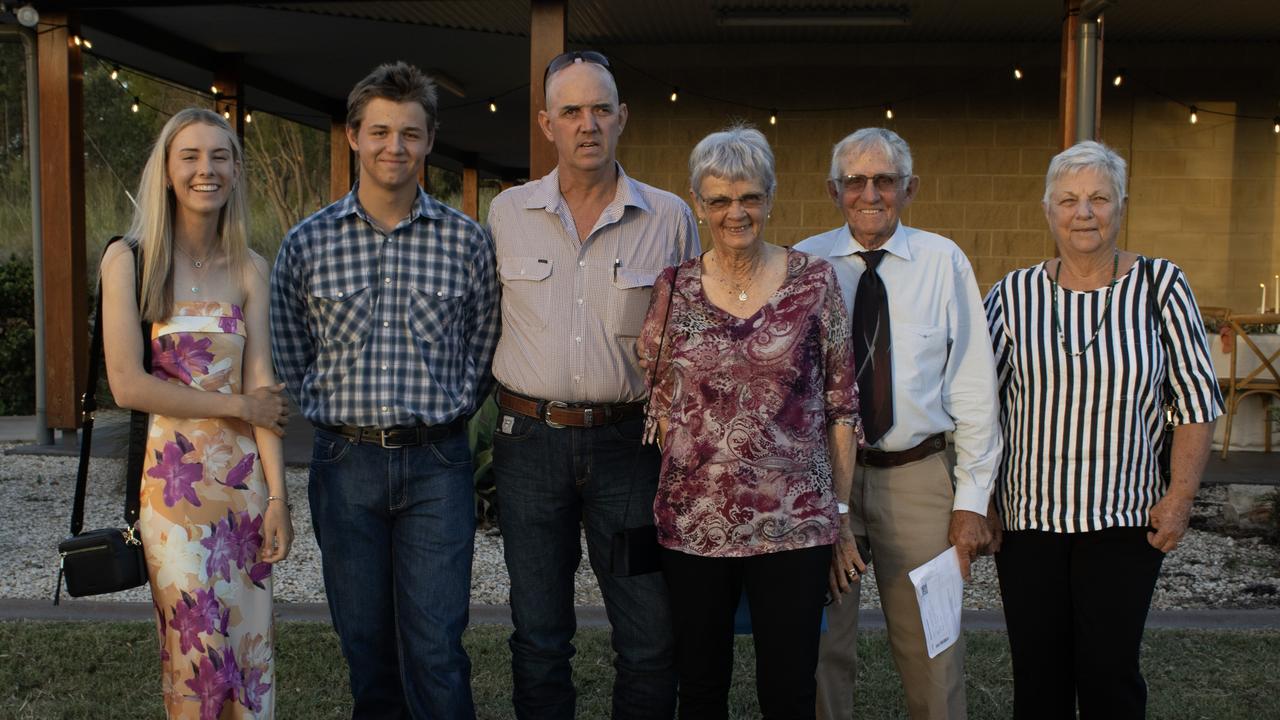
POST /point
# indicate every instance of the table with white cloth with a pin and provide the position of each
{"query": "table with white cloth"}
(1247, 428)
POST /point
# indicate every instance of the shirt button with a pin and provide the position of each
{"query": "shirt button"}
(386, 324)
(384, 408)
(577, 378)
(384, 366)
(339, 294)
(386, 280)
(582, 263)
(578, 339)
(579, 301)
(439, 293)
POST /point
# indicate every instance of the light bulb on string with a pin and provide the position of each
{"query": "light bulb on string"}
(773, 117)
(136, 103)
(1017, 72)
(1119, 79)
(248, 116)
(1275, 124)
(675, 94)
(115, 73)
(214, 89)
(226, 114)
(88, 44)
(1195, 118)
(888, 112)
(76, 39)
(493, 106)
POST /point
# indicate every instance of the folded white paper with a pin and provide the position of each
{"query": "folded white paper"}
(939, 591)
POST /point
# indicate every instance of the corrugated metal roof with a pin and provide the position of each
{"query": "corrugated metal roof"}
(505, 17)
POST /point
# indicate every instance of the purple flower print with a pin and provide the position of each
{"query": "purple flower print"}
(253, 689)
(180, 359)
(237, 474)
(236, 538)
(228, 324)
(196, 614)
(259, 572)
(179, 477)
(225, 662)
(210, 687)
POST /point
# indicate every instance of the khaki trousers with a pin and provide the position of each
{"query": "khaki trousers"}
(900, 517)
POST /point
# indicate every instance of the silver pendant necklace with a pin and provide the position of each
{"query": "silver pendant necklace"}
(197, 265)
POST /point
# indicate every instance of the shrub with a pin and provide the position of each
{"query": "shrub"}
(17, 337)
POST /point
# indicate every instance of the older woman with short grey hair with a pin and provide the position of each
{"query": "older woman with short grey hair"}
(1090, 347)
(754, 404)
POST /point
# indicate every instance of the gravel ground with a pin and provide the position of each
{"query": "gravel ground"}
(1209, 570)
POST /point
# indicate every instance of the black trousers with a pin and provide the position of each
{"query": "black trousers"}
(786, 591)
(1076, 605)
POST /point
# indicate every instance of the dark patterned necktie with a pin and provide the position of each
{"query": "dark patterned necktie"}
(871, 349)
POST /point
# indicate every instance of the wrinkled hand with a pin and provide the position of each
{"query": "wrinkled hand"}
(844, 556)
(970, 534)
(640, 358)
(277, 532)
(996, 527)
(266, 407)
(1169, 519)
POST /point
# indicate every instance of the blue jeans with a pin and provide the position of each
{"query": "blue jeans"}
(396, 529)
(552, 482)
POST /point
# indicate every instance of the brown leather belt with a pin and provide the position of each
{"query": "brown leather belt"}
(398, 437)
(558, 414)
(883, 459)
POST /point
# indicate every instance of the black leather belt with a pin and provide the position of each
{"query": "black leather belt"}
(558, 414)
(883, 459)
(398, 437)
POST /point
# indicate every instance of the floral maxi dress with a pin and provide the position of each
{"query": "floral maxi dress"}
(203, 498)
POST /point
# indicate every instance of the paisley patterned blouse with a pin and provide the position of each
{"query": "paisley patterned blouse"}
(745, 467)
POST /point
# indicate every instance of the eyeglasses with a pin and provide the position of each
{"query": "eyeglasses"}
(720, 203)
(565, 59)
(883, 182)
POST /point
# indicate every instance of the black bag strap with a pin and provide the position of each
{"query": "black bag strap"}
(1153, 307)
(138, 420)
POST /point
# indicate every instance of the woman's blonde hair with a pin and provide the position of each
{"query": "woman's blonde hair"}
(152, 226)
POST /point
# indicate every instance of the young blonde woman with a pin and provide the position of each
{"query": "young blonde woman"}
(215, 513)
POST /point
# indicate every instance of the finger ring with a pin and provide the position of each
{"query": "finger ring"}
(852, 573)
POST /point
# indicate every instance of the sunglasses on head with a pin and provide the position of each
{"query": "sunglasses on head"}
(564, 59)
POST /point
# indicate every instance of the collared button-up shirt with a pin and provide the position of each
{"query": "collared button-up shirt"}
(385, 329)
(571, 311)
(943, 368)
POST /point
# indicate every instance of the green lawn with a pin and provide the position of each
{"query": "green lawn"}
(109, 670)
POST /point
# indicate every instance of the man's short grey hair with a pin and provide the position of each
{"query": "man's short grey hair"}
(866, 140)
(1086, 155)
(737, 153)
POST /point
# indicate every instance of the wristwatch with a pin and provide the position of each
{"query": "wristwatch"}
(842, 508)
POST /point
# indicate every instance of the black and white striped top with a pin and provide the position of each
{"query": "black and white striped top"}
(1082, 434)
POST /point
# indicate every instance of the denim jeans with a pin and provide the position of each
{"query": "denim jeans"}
(396, 529)
(551, 483)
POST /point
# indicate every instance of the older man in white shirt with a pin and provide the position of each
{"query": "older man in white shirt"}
(924, 369)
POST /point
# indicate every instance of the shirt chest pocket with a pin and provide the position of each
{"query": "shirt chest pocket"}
(920, 355)
(341, 310)
(526, 290)
(435, 311)
(629, 301)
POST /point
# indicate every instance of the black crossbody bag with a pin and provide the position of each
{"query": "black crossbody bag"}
(1165, 458)
(106, 560)
(635, 550)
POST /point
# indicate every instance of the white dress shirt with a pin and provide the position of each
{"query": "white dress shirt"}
(943, 369)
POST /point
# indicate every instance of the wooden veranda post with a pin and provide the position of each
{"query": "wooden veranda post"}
(230, 98)
(340, 176)
(548, 26)
(1067, 85)
(61, 85)
(471, 192)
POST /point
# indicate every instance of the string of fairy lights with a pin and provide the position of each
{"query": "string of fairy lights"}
(226, 103)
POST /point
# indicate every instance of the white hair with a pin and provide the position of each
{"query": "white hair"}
(1087, 155)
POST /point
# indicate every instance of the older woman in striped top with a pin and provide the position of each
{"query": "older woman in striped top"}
(1090, 346)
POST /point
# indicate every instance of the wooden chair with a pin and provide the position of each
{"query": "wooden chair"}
(1215, 313)
(1263, 380)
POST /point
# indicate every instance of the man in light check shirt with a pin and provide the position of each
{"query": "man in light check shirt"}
(925, 368)
(578, 251)
(384, 320)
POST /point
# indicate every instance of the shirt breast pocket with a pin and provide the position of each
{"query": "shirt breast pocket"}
(435, 312)
(920, 354)
(629, 301)
(342, 311)
(526, 294)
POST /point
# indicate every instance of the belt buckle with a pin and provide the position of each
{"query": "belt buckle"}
(546, 413)
(382, 441)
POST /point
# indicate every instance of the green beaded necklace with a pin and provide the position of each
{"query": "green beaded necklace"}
(1057, 324)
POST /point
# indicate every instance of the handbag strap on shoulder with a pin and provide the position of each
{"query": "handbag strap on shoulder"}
(138, 421)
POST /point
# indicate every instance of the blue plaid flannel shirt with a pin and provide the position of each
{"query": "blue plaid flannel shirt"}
(385, 330)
